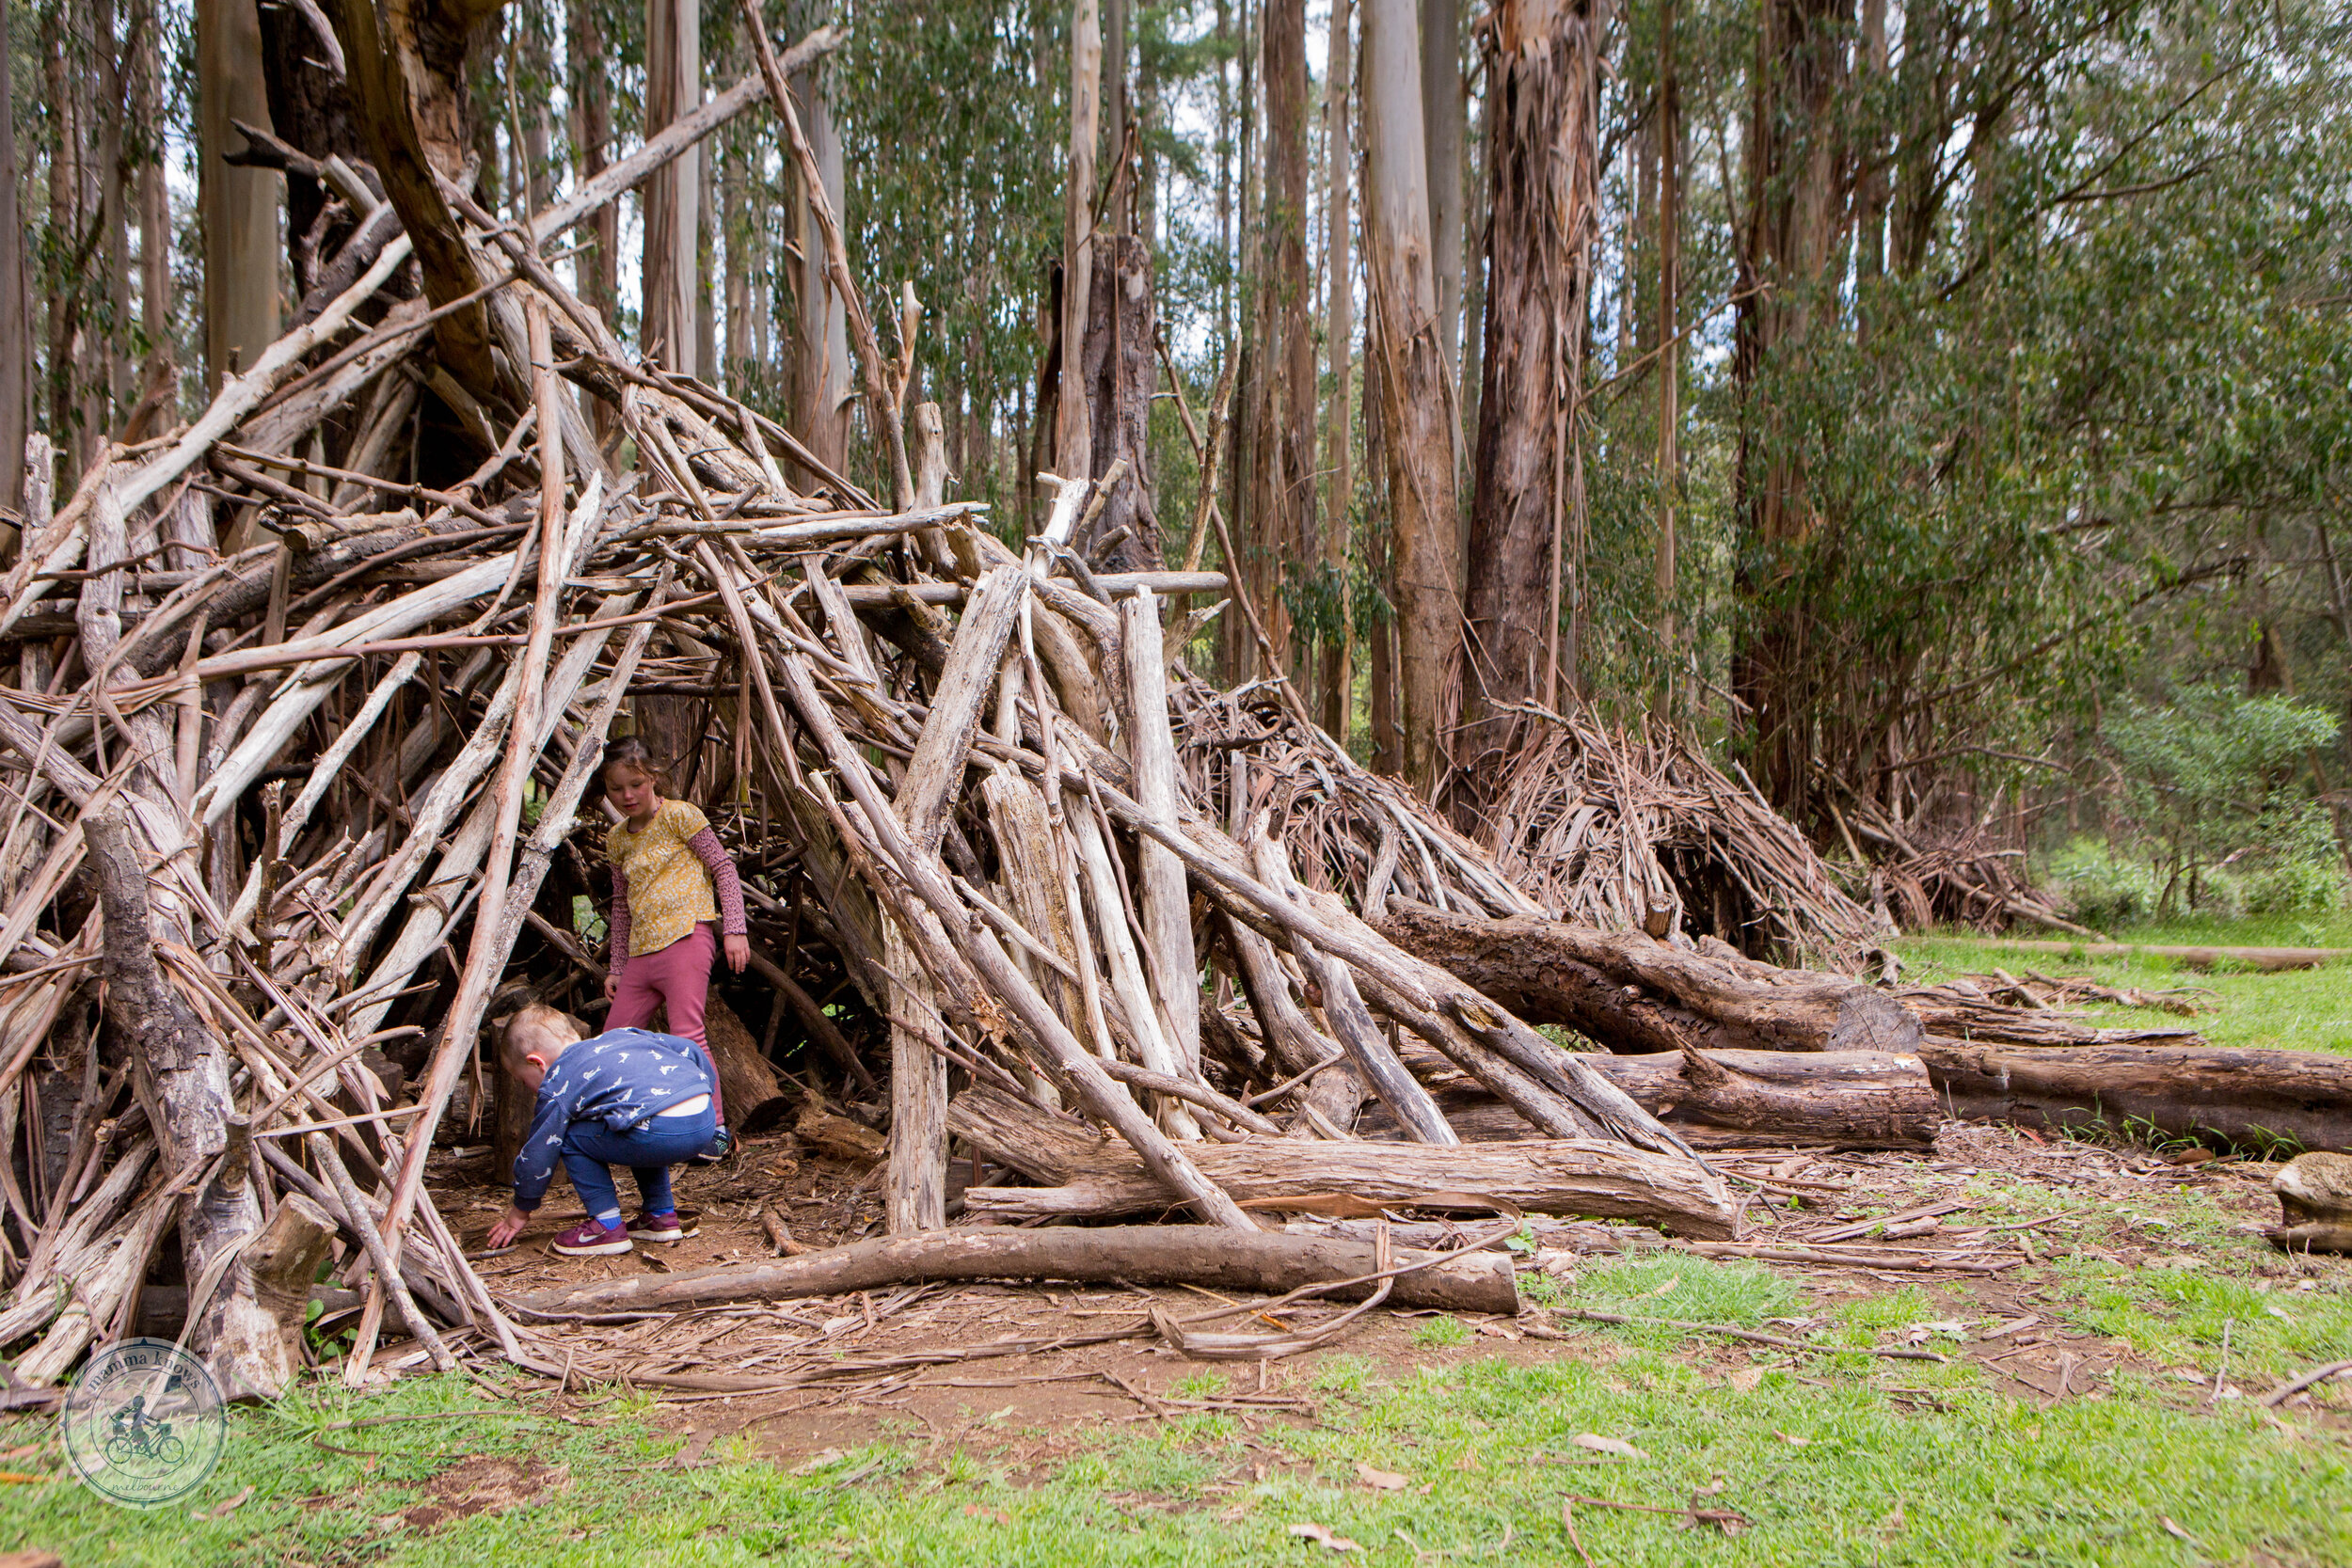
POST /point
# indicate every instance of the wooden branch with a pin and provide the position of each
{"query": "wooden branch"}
(1207, 1256)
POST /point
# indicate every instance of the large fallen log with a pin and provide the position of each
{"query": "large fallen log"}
(1214, 1256)
(1632, 992)
(1846, 1099)
(1084, 1175)
(2254, 1098)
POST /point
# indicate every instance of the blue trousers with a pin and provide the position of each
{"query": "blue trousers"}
(648, 1149)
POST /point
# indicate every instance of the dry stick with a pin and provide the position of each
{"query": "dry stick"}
(2286, 1391)
(1231, 1110)
(379, 1257)
(885, 399)
(1102, 1098)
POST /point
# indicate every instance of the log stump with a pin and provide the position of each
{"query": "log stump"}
(2315, 1204)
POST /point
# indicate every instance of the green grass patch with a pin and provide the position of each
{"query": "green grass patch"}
(2304, 1009)
(1830, 1467)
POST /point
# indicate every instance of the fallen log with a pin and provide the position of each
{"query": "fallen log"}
(1214, 1256)
(1630, 992)
(1841, 1099)
(2254, 1099)
(1088, 1176)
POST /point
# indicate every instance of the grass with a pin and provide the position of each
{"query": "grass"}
(1825, 1462)
(2305, 1009)
(1835, 1459)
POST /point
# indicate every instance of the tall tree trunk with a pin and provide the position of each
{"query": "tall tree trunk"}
(1147, 213)
(538, 84)
(110, 351)
(61, 282)
(706, 257)
(1114, 110)
(1339, 338)
(1387, 737)
(16, 316)
(673, 83)
(821, 392)
(1074, 430)
(237, 208)
(159, 379)
(1415, 405)
(1543, 198)
(1280, 407)
(598, 271)
(1796, 185)
(736, 223)
(1444, 114)
(1669, 351)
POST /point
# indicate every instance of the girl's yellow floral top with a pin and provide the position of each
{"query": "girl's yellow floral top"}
(669, 890)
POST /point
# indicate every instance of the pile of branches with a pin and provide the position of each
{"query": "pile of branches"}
(1641, 832)
(299, 740)
(1963, 878)
(302, 730)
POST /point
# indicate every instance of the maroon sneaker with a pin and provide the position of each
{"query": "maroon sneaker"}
(675, 1227)
(588, 1239)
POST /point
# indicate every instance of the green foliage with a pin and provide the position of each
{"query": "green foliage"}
(2214, 778)
(2101, 888)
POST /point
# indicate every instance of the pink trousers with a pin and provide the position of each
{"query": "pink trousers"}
(676, 978)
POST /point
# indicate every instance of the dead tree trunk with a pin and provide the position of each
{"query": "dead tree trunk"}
(1121, 373)
(1088, 1176)
(1207, 1256)
(1634, 992)
(1850, 1098)
(183, 1076)
(2258, 1100)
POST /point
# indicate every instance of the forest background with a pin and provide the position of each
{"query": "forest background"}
(1939, 410)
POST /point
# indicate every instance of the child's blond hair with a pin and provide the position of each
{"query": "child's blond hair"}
(537, 1030)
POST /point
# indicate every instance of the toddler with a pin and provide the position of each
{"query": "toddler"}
(627, 1097)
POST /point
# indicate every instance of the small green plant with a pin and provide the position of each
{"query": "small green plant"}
(1200, 1385)
(1441, 1334)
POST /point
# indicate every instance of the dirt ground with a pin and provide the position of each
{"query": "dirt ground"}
(940, 1363)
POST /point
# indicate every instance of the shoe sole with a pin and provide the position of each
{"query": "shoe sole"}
(663, 1237)
(601, 1249)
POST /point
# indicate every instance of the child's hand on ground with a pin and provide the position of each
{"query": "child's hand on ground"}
(510, 1225)
(738, 952)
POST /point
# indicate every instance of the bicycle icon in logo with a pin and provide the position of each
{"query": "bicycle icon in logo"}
(145, 1423)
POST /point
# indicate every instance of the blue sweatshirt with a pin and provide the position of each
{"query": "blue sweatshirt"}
(619, 1078)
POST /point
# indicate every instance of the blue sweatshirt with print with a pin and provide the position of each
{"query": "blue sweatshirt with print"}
(619, 1078)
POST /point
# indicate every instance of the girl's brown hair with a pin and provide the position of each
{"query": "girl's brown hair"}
(629, 752)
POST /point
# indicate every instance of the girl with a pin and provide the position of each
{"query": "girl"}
(671, 883)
